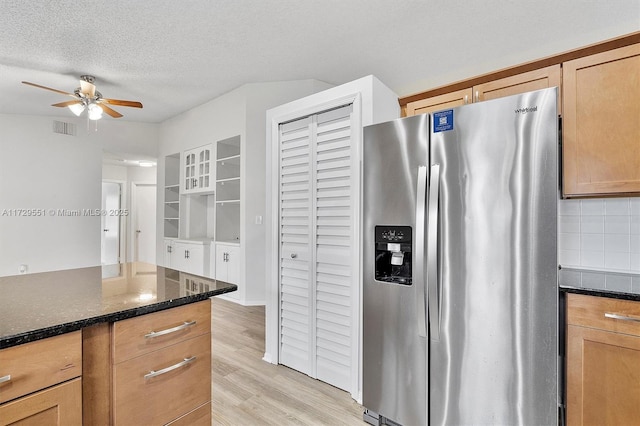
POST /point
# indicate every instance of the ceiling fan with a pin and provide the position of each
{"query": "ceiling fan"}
(87, 97)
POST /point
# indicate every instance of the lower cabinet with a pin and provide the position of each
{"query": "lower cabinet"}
(157, 369)
(187, 256)
(603, 361)
(60, 405)
(40, 382)
(228, 263)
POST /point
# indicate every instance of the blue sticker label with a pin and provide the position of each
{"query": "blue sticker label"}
(443, 121)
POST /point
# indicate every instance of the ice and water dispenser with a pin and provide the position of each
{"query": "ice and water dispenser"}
(393, 254)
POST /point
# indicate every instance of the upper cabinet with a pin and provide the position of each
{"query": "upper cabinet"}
(197, 170)
(601, 123)
(521, 83)
(533, 80)
(599, 101)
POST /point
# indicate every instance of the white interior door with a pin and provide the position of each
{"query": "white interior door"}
(144, 221)
(335, 247)
(318, 334)
(110, 240)
(296, 342)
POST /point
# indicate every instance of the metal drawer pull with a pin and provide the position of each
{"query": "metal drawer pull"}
(621, 317)
(5, 378)
(185, 361)
(186, 324)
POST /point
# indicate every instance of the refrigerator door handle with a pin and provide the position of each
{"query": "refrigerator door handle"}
(419, 265)
(432, 254)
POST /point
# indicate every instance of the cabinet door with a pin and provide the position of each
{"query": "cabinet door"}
(221, 262)
(195, 259)
(603, 377)
(521, 83)
(168, 252)
(190, 172)
(438, 103)
(179, 256)
(58, 405)
(204, 168)
(233, 264)
(601, 125)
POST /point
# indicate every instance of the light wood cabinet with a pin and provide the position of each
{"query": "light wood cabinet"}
(147, 333)
(60, 405)
(601, 123)
(533, 80)
(163, 385)
(161, 368)
(440, 102)
(603, 361)
(40, 382)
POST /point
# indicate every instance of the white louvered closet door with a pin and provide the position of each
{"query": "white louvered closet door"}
(295, 245)
(323, 225)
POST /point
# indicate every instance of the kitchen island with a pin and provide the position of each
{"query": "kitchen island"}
(119, 344)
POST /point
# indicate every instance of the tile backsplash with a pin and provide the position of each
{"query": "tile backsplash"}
(600, 234)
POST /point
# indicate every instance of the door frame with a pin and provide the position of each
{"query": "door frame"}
(123, 223)
(292, 112)
(132, 216)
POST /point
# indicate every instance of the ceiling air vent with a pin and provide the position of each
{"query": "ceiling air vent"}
(64, 128)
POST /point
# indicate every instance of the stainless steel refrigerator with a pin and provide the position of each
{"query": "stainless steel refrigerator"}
(489, 238)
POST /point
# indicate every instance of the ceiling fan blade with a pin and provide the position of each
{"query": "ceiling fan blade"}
(120, 102)
(49, 88)
(65, 104)
(89, 89)
(113, 113)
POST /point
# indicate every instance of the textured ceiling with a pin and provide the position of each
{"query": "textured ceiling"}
(174, 55)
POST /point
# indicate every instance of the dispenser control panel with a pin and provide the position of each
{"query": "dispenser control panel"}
(393, 254)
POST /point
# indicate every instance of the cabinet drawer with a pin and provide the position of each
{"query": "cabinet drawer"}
(58, 405)
(178, 387)
(36, 365)
(621, 316)
(201, 416)
(137, 336)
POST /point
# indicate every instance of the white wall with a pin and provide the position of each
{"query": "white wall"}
(239, 112)
(260, 98)
(40, 169)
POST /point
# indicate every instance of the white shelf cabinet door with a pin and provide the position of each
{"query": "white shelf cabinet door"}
(198, 170)
(228, 263)
(168, 251)
(188, 257)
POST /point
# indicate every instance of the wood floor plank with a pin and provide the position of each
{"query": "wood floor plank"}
(249, 391)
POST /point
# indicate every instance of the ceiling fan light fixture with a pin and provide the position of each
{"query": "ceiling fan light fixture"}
(76, 109)
(94, 111)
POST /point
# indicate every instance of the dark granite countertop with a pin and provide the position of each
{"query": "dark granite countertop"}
(37, 306)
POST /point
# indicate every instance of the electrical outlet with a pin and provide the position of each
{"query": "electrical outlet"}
(22, 269)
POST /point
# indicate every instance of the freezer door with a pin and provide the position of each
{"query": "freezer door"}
(394, 352)
(493, 344)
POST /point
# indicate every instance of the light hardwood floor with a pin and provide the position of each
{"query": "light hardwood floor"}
(249, 391)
